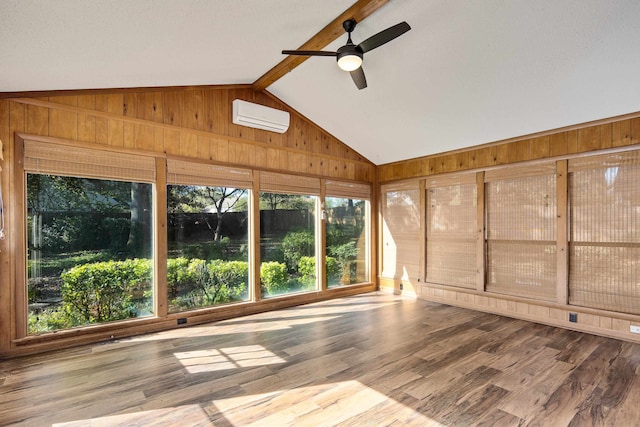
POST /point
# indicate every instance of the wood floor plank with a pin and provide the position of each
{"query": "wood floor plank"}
(374, 359)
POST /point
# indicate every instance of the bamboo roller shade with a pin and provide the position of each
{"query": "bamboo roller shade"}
(294, 184)
(57, 159)
(604, 247)
(451, 179)
(451, 234)
(401, 224)
(347, 189)
(521, 235)
(190, 173)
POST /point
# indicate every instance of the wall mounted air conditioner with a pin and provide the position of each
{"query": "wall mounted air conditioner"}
(260, 117)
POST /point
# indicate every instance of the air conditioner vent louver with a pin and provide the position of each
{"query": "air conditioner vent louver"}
(259, 116)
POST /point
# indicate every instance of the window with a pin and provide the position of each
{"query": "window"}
(521, 231)
(604, 246)
(288, 233)
(207, 235)
(451, 231)
(94, 254)
(347, 233)
(401, 225)
(89, 226)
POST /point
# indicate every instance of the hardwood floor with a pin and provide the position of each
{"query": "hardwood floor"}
(373, 359)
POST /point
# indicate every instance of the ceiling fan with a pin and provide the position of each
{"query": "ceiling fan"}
(350, 55)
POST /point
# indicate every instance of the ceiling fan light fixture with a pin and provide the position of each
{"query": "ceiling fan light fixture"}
(350, 62)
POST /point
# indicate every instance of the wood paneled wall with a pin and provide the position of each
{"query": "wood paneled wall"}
(616, 133)
(605, 134)
(190, 122)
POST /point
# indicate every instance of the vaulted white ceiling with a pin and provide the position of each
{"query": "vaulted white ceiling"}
(469, 72)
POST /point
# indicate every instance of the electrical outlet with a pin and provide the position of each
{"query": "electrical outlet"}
(401, 286)
(634, 329)
(573, 317)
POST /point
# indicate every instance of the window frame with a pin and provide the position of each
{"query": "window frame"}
(161, 319)
(23, 167)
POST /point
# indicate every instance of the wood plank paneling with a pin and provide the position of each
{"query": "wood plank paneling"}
(540, 147)
(172, 102)
(558, 144)
(606, 134)
(130, 104)
(193, 117)
(572, 141)
(115, 103)
(158, 109)
(86, 128)
(37, 120)
(635, 130)
(621, 133)
(6, 249)
(115, 133)
(145, 106)
(171, 142)
(102, 130)
(144, 138)
(63, 124)
(483, 157)
(588, 139)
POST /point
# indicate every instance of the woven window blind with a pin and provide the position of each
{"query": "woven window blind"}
(604, 238)
(291, 184)
(400, 232)
(348, 189)
(58, 159)
(190, 173)
(451, 233)
(521, 232)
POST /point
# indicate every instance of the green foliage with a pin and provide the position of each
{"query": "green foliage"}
(336, 235)
(345, 255)
(176, 275)
(307, 270)
(196, 283)
(214, 249)
(295, 245)
(273, 277)
(47, 320)
(273, 201)
(106, 291)
(53, 265)
(232, 277)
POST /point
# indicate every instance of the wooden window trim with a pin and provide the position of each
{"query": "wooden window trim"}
(22, 343)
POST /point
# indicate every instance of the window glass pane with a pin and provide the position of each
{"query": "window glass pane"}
(207, 237)
(346, 252)
(89, 251)
(287, 243)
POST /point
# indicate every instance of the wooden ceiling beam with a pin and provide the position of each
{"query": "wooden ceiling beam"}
(359, 11)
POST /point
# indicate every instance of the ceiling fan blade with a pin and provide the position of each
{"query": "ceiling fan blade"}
(358, 78)
(309, 52)
(384, 36)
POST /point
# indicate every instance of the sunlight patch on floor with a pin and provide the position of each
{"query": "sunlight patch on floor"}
(325, 404)
(186, 415)
(227, 358)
